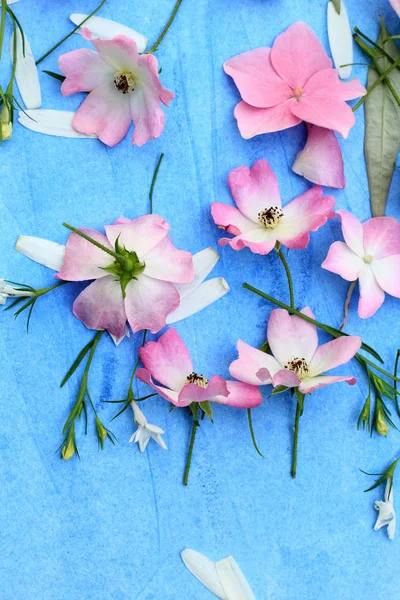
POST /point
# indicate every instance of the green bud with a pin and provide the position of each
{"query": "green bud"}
(69, 447)
(101, 431)
(380, 421)
(6, 124)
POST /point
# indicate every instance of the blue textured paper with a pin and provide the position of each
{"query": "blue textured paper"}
(112, 525)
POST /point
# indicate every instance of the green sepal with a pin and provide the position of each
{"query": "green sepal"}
(279, 389)
(265, 347)
(300, 399)
(55, 75)
(207, 410)
(194, 407)
(336, 4)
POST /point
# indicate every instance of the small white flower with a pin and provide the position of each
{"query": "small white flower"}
(8, 291)
(387, 515)
(145, 431)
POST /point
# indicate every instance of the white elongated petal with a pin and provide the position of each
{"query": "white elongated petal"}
(340, 39)
(233, 581)
(44, 252)
(26, 73)
(107, 29)
(12, 1)
(205, 294)
(203, 263)
(205, 571)
(51, 122)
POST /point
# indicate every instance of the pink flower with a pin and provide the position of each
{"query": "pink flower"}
(395, 5)
(124, 87)
(296, 359)
(321, 159)
(260, 221)
(371, 254)
(289, 83)
(168, 362)
(138, 288)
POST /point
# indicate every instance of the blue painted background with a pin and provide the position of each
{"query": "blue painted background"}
(113, 524)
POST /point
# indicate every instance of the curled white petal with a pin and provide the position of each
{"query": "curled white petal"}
(145, 431)
(387, 515)
(203, 263)
(340, 39)
(233, 581)
(205, 294)
(205, 571)
(51, 122)
(26, 73)
(107, 29)
(44, 252)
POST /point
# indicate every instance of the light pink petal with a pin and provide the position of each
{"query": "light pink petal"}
(170, 395)
(343, 261)
(84, 71)
(254, 189)
(256, 79)
(100, 306)
(306, 213)
(350, 90)
(259, 241)
(254, 121)
(120, 53)
(352, 232)
(291, 337)
(140, 235)
(195, 393)
(333, 354)
(387, 274)
(250, 361)
(287, 378)
(395, 5)
(83, 260)
(105, 113)
(241, 395)
(321, 159)
(148, 302)
(167, 263)
(311, 384)
(297, 54)
(168, 360)
(371, 293)
(381, 237)
(321, 104)
(230, 218)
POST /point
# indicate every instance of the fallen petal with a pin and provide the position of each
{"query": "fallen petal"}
(203, 263)
(26, 73)
(233, 581)
(321, 159)
(205, 571)
(44, 252)
(51, 122)
(340, 39)
(106, 29)
(208, 292)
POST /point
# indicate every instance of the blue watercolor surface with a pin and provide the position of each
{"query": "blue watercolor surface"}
(113, 524)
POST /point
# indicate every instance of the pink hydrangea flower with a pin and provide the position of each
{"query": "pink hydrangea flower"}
(371, 254)
(168, 362)
(260, 220)
(296, 360)
(123, 87)
(395, 5)
(141, 290)
(289, 83)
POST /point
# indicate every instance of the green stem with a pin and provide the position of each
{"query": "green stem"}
(296, 440)
(377, 82)
(14, 61)
(190, 453)
(374, 44)
(164, 32)
(288, 275)
(153, 182)
(70, 33)
(44, 291)
(347, 304)
(94, 242)
(377, 368)
(2, 24)
(253, 437)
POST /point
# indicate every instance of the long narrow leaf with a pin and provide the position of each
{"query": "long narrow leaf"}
(77, 362)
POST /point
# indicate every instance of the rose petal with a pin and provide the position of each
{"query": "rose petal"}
(107, 29)
(333, 354)
(148, 302)
(311, 384)
(249, 363)
(167, 263)
(83, 260)
(140, 235)
(170, 395)
(84, 70)
(291, 337)
(191, 392)
(231, 219)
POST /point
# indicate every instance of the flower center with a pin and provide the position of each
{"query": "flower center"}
(270, 217)
(197, 379)
(124, 82)
(298, 365)
(368, 259)
(297, 93)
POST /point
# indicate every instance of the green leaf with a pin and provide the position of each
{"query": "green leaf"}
(55, 75)
(77, 362)
(336, 4)
(382, 129)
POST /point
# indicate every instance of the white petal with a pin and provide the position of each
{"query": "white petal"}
(204, 295)
(144, 438)
(157, 438)
(340, 39)
(139, 417)
(12, 1)
(203, 263)
(44, 252)
(205, 571)
(51, 122)
(26, 73)
(233, 581)
(107, 29)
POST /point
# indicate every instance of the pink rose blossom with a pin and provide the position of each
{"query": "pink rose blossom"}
(395, 5)
(260, 220)
(289, 83)
(151, 265)
(168, 362)
(123, 87)
(371, 254)
(296, 360)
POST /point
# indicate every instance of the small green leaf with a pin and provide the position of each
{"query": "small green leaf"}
(77, 362)
(55, 75)
(206, 408)
(336, 4)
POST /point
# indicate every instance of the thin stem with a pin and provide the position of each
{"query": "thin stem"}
(376, 66)
(396, 364)
(296, 440)
(153, 182)
(347, 305)
(94, 242)
(253, 437)
(14, 60)
(369, 362)
(377, 82)
(70, 33)
(288, 275)
(190, 453)
(164, 32)
(374, 44)
(2, 24)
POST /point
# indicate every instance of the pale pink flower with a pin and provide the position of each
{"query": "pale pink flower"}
(296, 360)
(321, 159)
(168, 362)
(371, 254)
(289, 83)
(395, 5)
(150, 294)
(260, 220)
(123, 87)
